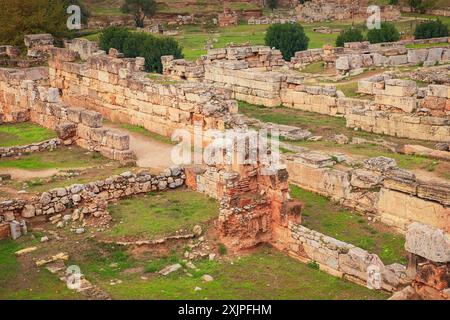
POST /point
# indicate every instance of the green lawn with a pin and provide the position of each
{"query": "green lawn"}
(263, 274)
(17, 282)
(324, 216)
(426, 45)
(67, 157)
(23, 133)
(159, 214)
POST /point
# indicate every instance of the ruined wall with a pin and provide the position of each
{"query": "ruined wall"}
(120, 91)
(255, 206)
(26, 96)
(89, 196)
(428, 264)
(378, 188)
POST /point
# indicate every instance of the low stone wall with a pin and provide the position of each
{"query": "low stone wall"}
(120, 91)
(51, 144)
(378, 188)
(92, 195)
(27, 98)
(344, 260)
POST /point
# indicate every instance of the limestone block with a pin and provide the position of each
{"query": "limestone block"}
(356, 262)
(435, 90)
(342, 63)
(117, 141)
(407, 104)
(435, 54)
(428, 242)
(53, 95)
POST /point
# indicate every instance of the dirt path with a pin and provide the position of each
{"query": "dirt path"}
(149, 152)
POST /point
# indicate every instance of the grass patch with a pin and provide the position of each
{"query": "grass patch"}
(159, 214)
(263, 274)
(322, 215)
(23, 133)
(73, 157)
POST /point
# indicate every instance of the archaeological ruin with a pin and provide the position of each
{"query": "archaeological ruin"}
(356, 190)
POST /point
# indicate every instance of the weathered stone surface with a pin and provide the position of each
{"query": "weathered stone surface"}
(428, 242)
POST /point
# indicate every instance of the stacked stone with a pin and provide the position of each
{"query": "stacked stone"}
(320, 99)
(182, 69)
(344, 260)
(378, 188)
(228, 18)
(83, 47)
(91, 195)
(120, 91)
(256, 56)
(50, 144)
(306, 57)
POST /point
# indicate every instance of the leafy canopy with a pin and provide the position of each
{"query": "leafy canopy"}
(288, 38)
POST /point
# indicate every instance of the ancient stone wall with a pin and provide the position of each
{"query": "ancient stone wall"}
(255, 206)
(26, 96)
(379, 188)
(428, 264)
(120, 91)
(89, 196)
(38, 45)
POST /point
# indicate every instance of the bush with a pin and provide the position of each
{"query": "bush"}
(288, 38)
(349, 35)
(387, 33)
(134, 44)
(431, 29)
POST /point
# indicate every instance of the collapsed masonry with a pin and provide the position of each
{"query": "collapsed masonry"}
(428, 264)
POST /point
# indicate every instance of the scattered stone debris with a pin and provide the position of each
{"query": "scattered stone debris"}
(60, 256)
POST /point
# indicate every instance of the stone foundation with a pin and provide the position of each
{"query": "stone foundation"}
(50, 145)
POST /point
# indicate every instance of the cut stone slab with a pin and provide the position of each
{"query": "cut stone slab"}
(430, 243)
(25, 251)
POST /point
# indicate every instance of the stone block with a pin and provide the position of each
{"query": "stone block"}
(66, 130)
(428, 242)
(91, 118)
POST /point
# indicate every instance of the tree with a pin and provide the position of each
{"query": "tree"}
(393, 2)
(349, 35)
(272, 4)
(431, 29)
(288, 38)
(140, 9)
(387, 33)
(135, 44)
(18, 18)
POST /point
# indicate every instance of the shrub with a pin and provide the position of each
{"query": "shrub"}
(139, 9)
(134, 44)
(288, 38)
(431, 29)
(349, 35)
(387, 33)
